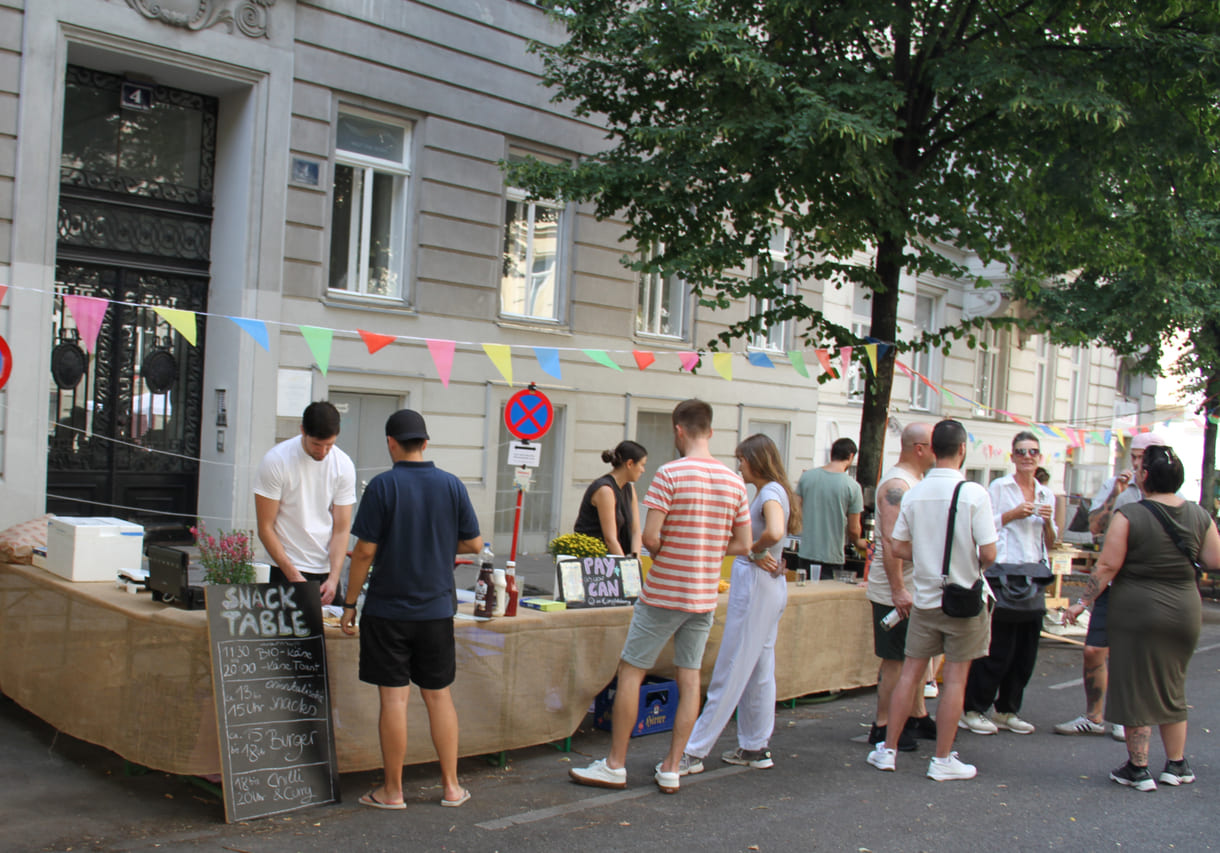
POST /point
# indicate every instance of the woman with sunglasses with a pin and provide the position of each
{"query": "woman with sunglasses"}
(1022, 507)
(1149, 559)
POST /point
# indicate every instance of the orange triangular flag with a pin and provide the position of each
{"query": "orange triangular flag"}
(642, 358)
(374, 341)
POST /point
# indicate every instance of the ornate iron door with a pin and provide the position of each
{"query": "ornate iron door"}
(135, 212)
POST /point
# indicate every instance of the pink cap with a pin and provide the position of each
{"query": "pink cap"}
(1145, 440)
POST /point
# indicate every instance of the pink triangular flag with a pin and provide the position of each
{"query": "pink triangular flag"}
(3, 290)
(642, 358)
(442, 357)
(689, 360)
(845, 359)
(88, 313)
(374, 341)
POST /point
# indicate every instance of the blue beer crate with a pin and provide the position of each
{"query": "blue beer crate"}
(658, 705)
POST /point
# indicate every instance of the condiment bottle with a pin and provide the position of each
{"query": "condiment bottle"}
(484, 588)
(510, 588)
(500, 584)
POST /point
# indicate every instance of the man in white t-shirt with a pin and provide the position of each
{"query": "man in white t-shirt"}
(304, 492)
(919, 535)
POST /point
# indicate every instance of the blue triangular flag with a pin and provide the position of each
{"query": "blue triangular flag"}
(256, 329)
(548, 360)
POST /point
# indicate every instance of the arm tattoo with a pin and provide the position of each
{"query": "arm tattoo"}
(893, 496)
(1092, 590)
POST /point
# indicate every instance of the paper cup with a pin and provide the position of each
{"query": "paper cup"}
(262, 573)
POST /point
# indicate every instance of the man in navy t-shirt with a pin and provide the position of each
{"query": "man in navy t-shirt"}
(412, 520)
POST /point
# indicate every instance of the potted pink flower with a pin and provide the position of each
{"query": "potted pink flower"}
(226, 557)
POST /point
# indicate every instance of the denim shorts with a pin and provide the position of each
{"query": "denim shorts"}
(651, 628)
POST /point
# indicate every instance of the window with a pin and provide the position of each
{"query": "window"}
(989, 372)
(777, 431)
(857, 373)
(922, 397)
(369, 208)
(1045, 379)
(533, 231)
(1079, 401)
(663, 304)
(772, 336)
(655, 431)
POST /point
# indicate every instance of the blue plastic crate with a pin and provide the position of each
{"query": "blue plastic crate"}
(658, 705)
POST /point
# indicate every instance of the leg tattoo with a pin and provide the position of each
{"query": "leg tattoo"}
(1137, 745)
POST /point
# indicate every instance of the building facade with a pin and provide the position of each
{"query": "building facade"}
(215, 211)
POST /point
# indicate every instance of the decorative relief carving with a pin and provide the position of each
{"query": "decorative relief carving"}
(251, 17)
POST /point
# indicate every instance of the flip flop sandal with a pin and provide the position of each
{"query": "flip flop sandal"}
(453, 804)
(369, 800)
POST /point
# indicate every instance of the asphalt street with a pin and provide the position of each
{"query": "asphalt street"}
(1036, 792)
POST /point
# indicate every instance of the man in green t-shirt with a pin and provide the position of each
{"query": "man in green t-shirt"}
(831, 503)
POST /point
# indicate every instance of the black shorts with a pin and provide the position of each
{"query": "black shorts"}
(394, 653)
(1097, 635)
(891, 644)
(277, 576)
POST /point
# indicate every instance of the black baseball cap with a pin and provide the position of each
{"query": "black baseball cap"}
(406, 425)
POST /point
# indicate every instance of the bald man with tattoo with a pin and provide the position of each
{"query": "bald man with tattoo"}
(889, 586)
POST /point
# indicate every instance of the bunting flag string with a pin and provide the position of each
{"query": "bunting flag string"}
(88, 314)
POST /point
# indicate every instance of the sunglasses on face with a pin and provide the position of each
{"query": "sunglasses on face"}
(1027, 451)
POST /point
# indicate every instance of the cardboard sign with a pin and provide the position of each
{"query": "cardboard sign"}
(277, 738)
(597, 581)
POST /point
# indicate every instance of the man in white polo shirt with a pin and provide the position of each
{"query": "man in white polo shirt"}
(919, 535)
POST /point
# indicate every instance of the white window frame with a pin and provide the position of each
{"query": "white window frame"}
(857, 374)
(365, 168)
(651, 293)
(1046, 361)
(923, 398)
(776, 337)
(1078, 407)
(990, 370)
(516, 195)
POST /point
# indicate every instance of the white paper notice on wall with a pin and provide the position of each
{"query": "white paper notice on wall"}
(293, 391)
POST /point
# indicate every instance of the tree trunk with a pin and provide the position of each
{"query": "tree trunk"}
(1207, 490)
(874, 418)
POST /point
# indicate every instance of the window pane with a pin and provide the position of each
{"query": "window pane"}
(516, 246)
(371, 138)
(90, 129)
(382, 263)
(531, 250)
(344, 223)
(161, 145)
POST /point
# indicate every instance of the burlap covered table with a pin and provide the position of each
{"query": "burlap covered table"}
(131, 675)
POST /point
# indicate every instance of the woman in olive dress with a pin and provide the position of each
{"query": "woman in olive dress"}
(1154, 616)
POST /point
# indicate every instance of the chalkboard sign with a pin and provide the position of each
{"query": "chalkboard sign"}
(597, 581)
(277, 739)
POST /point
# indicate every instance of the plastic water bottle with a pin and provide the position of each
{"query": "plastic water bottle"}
(487, 559)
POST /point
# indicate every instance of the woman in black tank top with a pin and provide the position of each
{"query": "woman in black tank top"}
(609, 510)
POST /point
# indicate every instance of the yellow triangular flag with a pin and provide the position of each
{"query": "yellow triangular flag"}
(501, 356)
(871, 351)
(184, 322)
(723, 362)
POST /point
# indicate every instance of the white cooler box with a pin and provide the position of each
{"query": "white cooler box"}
(93, 549)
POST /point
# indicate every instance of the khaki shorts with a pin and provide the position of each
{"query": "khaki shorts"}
(651, 627)
(931, 633)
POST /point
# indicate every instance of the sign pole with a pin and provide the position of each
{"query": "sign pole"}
(528, 415)
(517, 520)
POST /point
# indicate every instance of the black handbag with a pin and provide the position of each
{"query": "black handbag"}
(1018, 589)
(958, 601)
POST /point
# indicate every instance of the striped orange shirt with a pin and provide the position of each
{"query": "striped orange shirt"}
(703, 501)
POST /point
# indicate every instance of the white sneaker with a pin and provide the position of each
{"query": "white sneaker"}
(1118, 732)
(977, 723)
(598, 775)
(930, 690)
(1012, 723)
(689, 765)
(882, 758)
(1082, 725)
(948, 769)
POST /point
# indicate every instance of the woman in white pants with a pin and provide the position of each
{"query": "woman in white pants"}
(744, 676)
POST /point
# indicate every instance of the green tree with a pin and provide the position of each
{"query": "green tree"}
(866, 129)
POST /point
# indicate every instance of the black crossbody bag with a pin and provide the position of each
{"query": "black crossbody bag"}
(958, 601)
(1174, 535)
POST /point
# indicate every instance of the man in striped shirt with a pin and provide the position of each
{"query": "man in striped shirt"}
(697, 512)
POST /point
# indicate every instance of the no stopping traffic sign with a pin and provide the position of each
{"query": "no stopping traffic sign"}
(529, 414)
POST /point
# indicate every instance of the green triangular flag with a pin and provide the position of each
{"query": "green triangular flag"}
(798, 362)
(319, 341)
(600, 356)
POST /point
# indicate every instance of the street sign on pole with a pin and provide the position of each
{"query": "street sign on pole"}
(529, 414)
(525, 454)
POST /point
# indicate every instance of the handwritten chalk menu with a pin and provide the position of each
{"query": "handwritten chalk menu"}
(597, 581)
(277, 739)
